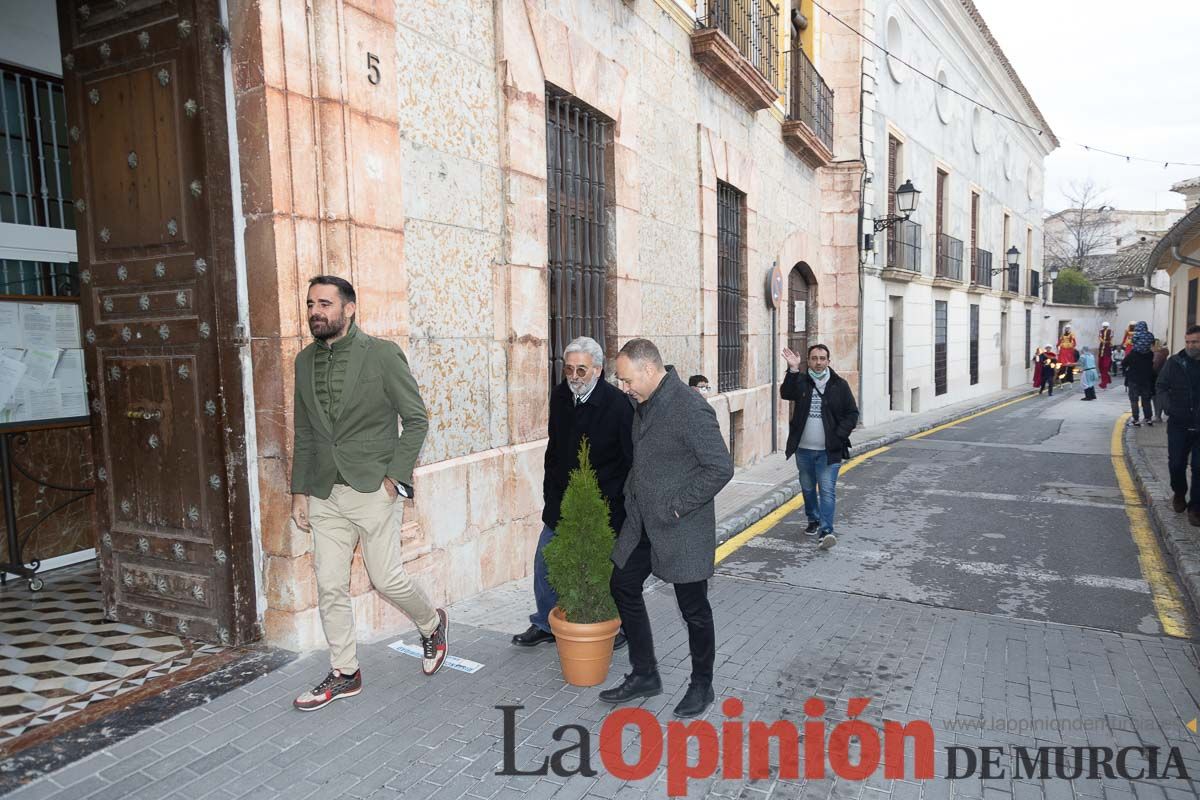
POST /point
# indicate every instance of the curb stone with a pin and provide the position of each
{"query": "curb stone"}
(781, 493)
(1172, 528)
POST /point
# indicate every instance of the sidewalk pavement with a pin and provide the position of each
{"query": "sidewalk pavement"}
(407, 736)
(758, 490)
(1146, 454)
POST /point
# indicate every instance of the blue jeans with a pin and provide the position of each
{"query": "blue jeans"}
(543, 594)
(818, 482)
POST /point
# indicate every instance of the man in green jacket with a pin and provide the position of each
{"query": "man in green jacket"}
(348, 467)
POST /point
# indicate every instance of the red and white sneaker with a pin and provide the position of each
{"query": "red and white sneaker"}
(334, 687)
(436, 646)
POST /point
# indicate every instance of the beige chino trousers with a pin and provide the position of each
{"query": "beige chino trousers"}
(345, 519)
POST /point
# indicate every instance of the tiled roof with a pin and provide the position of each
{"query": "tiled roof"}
(977, 18)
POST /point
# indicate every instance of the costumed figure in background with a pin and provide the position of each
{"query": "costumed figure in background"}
(1106, 354)
(1049, 370)
(1037, 367)
(1089, 376)
(1126, 344)
(1067, 355)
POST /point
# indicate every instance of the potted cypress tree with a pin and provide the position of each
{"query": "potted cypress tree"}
(578, 567)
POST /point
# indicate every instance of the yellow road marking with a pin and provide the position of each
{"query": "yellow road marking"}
(1168, 600)
(771, 520)
(775, 517)
(961, 420)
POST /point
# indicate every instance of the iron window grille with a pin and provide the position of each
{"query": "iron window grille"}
(577, 140)
(35, 165)
(981, 268)
(752, 26)
(904, 246)
(1014, 279)
(941, 342)
(949, 257)
(810, 98)
(1035, 283)
(1028, 339)
(40, 278)
(730, 291)
(974, 365)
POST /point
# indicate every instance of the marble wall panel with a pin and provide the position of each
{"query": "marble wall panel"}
(454, 106)
(464, 26)
(455, 382)
(440, 187)
(449, 280)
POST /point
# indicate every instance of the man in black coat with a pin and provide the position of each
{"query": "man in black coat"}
(1178, 393)
(584, 404)
(823, 416)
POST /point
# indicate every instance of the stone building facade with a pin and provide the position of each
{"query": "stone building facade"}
(944, 320)
(429, 190)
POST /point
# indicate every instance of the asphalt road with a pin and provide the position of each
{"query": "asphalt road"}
(1016, 513)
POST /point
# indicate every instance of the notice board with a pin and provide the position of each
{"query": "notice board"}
(42, 378)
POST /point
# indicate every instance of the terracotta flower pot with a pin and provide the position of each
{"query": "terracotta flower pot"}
(584, 650)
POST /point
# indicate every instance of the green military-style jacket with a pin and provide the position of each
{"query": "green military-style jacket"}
(361, 443)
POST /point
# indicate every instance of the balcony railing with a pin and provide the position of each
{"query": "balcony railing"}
(810, 100)
(1014, 279)
(981, 268)
(949, 257)
(904, 246)
(1035, 283)
(752, 26)
(35, 165)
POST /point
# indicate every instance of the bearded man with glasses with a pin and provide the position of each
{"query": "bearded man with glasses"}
(584, 404)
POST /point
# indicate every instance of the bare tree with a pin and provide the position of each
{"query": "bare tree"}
(1083, 228)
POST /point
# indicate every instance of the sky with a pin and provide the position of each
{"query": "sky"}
(1113, 75)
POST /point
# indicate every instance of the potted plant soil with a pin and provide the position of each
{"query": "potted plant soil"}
(585, 621)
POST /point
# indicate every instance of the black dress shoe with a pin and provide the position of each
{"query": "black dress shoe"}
(633, 687)
(532, 637)
(620, 641)
(696, 700)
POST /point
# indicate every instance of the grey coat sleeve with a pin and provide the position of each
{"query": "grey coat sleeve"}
(1162, 387)
(716, 465)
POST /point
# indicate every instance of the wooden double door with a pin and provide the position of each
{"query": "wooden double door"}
(145, 91)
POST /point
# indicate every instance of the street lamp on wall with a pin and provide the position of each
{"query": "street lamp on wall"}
(906, 204)
(1013, 260)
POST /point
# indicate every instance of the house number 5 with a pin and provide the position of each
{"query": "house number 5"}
(373, 69)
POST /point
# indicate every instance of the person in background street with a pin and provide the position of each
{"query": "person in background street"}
(1088, 377)
(1126, 344)
(823, 416)
(348, 468)
(699, 383)
(584, 404)
(1139, 374)
(1161, 353)
(1178, 390)
(1067, 355)
(1048, 369)
(1106, 354)
(680, 462)
(1037, 367)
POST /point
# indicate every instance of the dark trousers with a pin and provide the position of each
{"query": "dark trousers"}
(1183, 448)
(1144, 394)
(626, 585)
(1047, 381)
(1089, 393)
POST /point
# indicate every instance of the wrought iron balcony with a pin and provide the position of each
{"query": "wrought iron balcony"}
(949, 257)
(809, 126)
(737, 43)
(981, 268)
(904, 246)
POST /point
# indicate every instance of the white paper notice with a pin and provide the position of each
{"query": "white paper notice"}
(72, 384)
(66, 326)
(39, 368)
(38, 323)
(11, 372)
(10, 325)
(45, 403)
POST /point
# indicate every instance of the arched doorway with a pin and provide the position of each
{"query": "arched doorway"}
(801, 308)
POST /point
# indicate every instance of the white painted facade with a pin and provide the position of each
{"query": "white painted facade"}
(981, 153)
